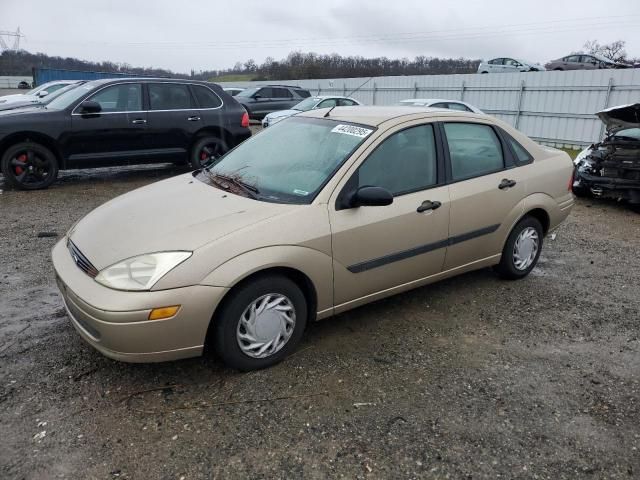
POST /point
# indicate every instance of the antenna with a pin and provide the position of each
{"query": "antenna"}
(5, 36)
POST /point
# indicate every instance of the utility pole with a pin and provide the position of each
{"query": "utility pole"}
(4, 45)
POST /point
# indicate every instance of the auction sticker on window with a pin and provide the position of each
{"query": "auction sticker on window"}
(351, 130)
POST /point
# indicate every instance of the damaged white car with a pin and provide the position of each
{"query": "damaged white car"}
(611, 168)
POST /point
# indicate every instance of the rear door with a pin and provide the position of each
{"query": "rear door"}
(379, 248)
(113, 136)
(282, 99)
(173, 119)
(485, 191)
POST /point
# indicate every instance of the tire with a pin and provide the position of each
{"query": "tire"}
(484, 72)
(229, 331)
(29, 166)
(508, 268)
(206, 150)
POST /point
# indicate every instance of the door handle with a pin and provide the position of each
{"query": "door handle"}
(193, 119)
(506, 183)
(428, 205)
(139, 121)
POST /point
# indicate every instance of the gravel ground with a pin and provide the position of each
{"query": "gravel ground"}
(472, 377)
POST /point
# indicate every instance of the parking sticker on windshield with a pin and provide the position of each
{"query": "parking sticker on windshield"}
(351, 130)
(300, 192)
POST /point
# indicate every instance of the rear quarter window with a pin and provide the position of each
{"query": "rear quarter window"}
(205, 97)
(303, 93)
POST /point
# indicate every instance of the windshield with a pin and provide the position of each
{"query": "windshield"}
(631, 133)
(306, 104)
(291, 161)
(247, 93)
(69, 97)
(51, 97)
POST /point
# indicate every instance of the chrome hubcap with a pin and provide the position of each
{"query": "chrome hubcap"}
(266, 325)
(525, 248)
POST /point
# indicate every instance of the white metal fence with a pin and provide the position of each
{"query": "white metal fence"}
(12, 82)
(556, 108)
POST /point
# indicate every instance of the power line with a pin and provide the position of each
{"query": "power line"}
(555, 26)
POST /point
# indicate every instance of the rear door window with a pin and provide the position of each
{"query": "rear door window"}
(474, 150)
(459, 106)
(126, 97)
(281, 93)
(344, 102)
(169, 96)
(205, 97)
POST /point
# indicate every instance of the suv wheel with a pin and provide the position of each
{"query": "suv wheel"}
(260, 323)
(29, 166)
(206, 150)
(522, 249)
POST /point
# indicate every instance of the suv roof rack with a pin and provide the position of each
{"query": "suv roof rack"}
(280, 85)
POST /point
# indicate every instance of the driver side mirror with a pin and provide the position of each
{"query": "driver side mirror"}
(42, 93)
(257, 96)
(89, 106)
(370, 197)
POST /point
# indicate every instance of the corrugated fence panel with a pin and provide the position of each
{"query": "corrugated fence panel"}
(556, 108)
(44, 75)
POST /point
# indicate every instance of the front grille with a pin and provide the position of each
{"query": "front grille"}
(81, 261)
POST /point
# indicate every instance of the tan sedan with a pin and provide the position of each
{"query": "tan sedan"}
(321, 213)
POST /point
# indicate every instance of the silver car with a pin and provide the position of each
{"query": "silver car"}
(37, 93)
(509, 65)
(311, 103)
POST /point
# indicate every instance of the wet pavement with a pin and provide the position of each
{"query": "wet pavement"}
(473, 377)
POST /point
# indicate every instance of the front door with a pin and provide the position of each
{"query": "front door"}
(115, 135)
(484, 193)
(173, 120)
(379, 248)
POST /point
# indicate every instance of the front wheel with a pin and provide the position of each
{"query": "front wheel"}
(522, 250)
(207, 150)
(29, 166)
(260, 323)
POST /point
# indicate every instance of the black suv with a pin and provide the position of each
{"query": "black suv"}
(260, 101)
(119, 122)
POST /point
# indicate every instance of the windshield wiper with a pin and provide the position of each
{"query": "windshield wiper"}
(250, 190)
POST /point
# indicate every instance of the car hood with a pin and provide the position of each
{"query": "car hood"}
(620, 117)
(282, 114)
(17, 97)
(20, 104)
(181, 213)
(7, 110)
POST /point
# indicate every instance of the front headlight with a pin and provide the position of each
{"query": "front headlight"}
(141, 272)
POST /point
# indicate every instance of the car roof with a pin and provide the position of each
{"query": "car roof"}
(431, 100)
(375, 116)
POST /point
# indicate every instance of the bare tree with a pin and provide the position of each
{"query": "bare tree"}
(614, 51)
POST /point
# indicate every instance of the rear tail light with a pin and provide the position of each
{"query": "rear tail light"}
(571, 179)
(245, 120)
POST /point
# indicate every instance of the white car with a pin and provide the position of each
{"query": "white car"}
(311, 103)
(440, 103)
(509, 65)
(233, 91)
(37, 93)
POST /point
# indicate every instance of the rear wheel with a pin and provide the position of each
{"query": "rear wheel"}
(29, 166)
(207, 150)
(260, 323)
(522, 249)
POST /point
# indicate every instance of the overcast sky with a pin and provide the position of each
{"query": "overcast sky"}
(209, 34)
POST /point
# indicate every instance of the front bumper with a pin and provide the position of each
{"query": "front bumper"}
(612, 187)
(116, 323)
